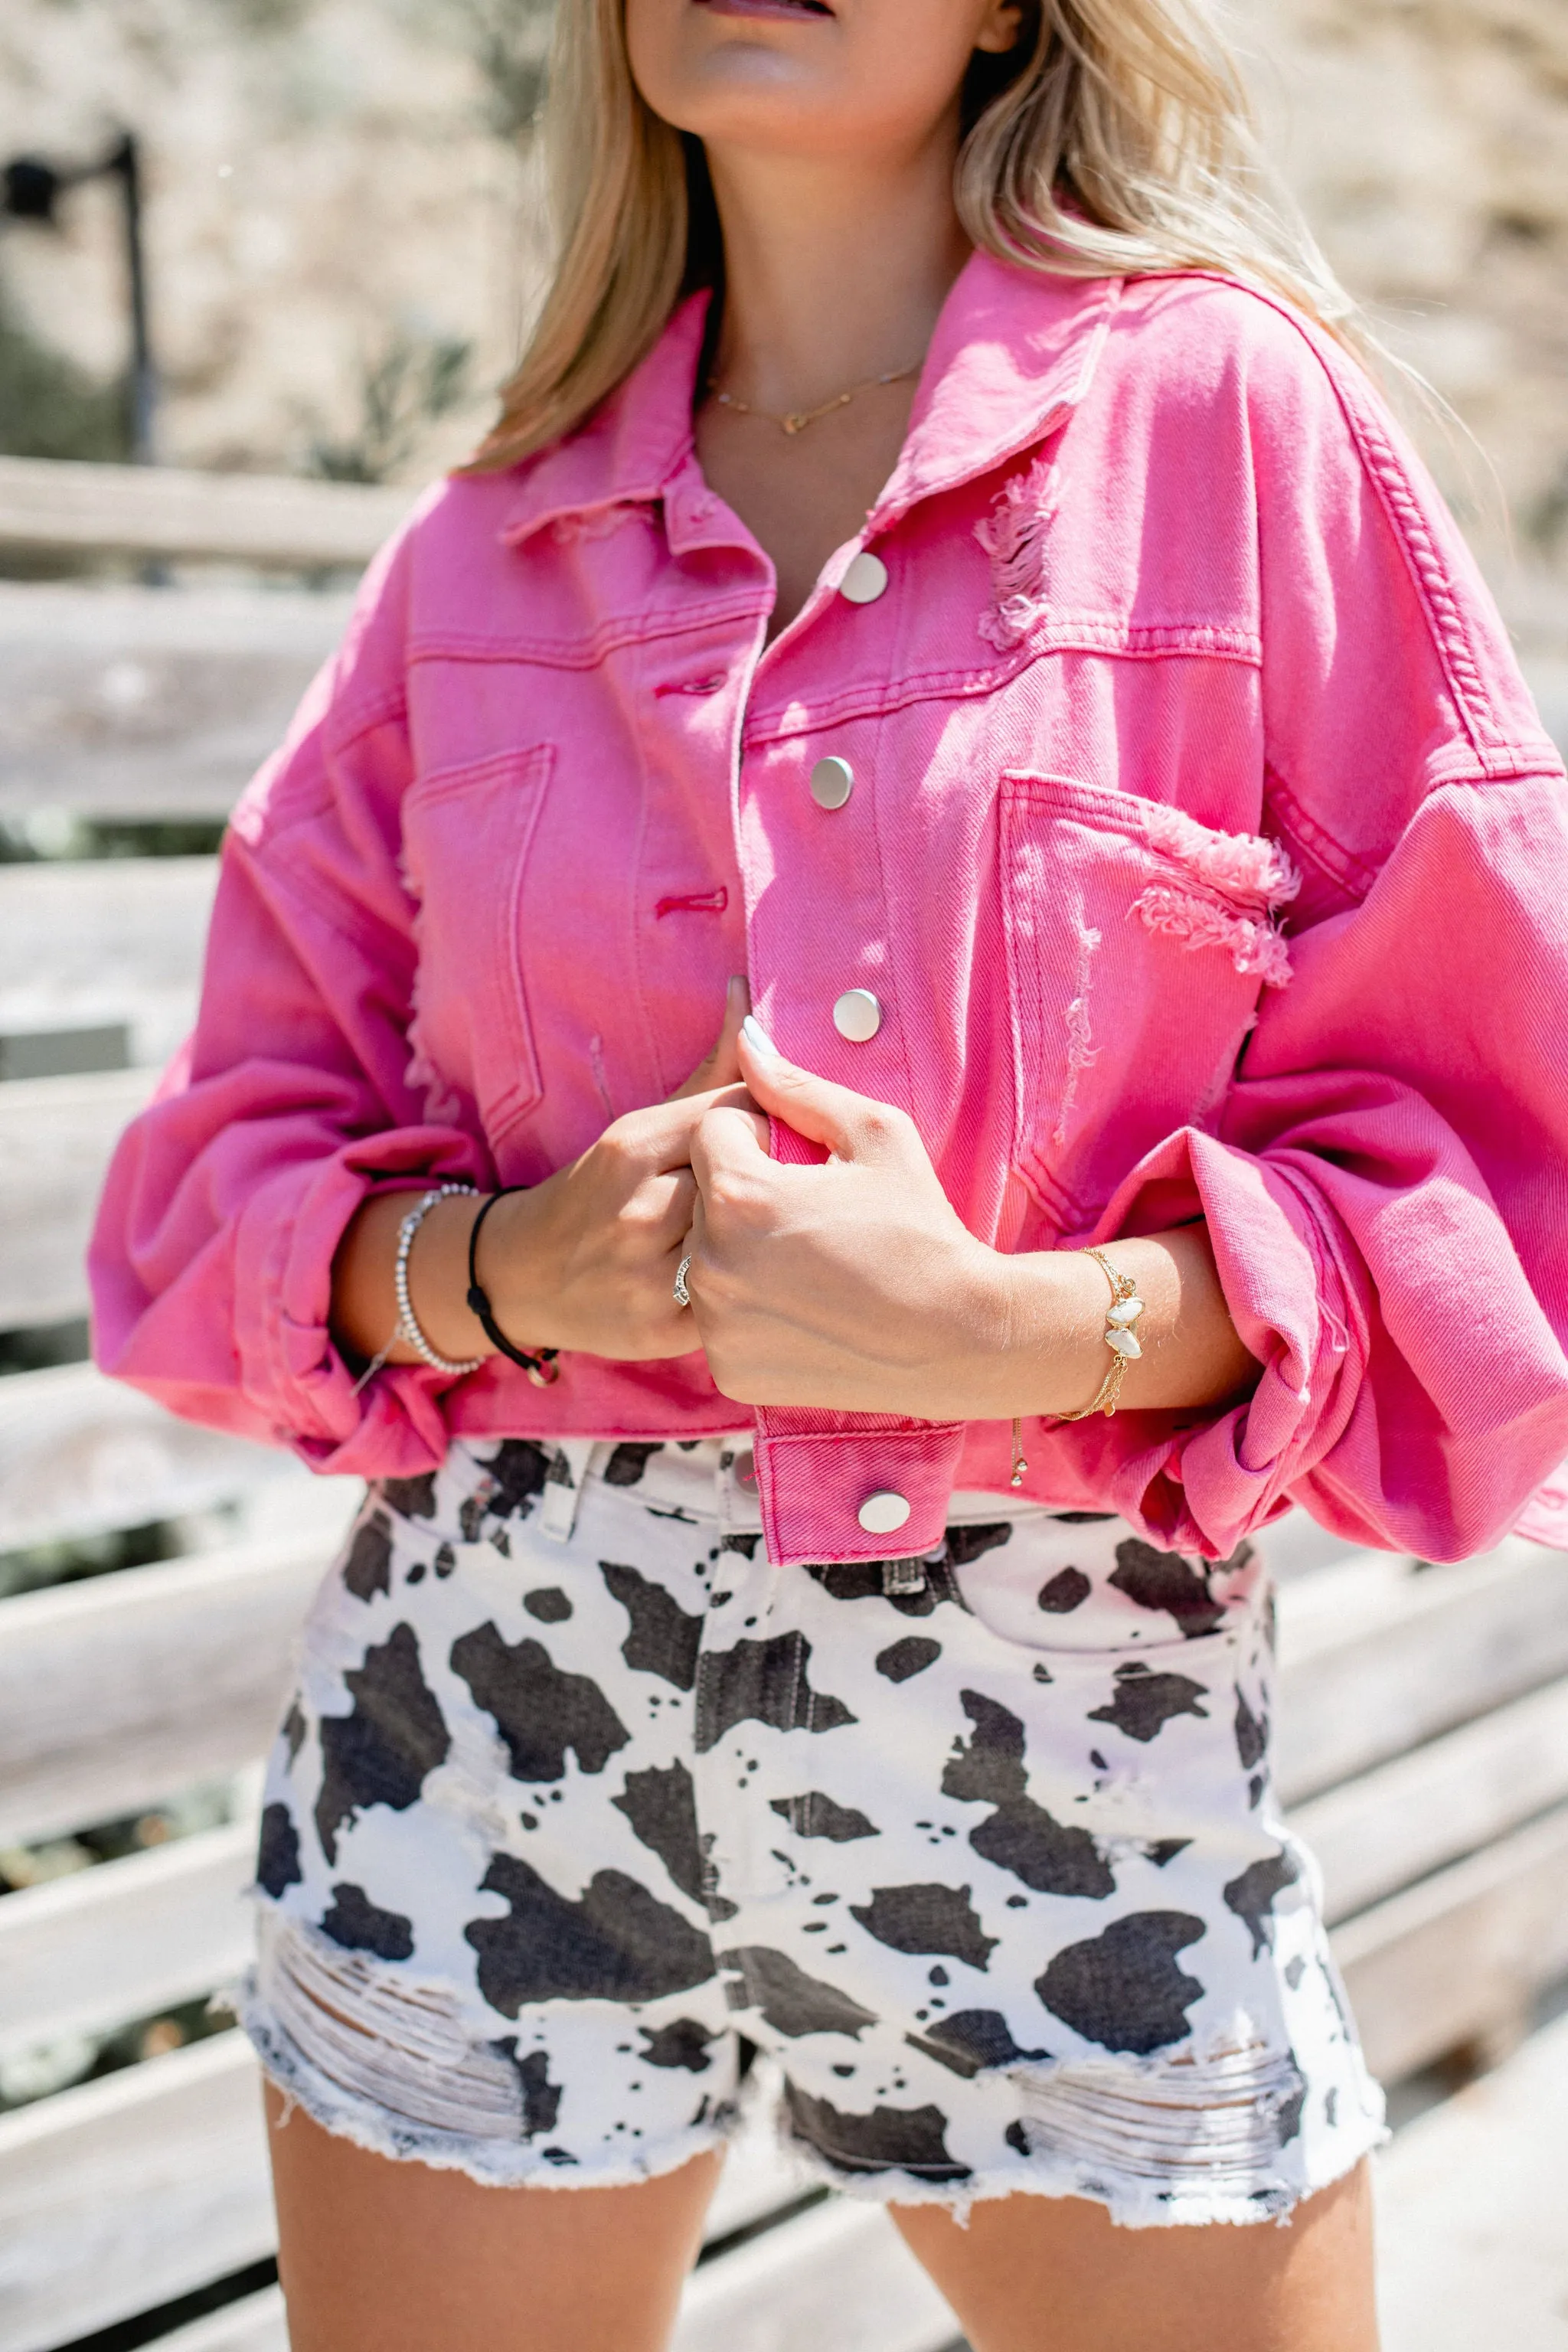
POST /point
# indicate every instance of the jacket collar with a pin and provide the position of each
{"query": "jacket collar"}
(633, 445)
(1013, 354)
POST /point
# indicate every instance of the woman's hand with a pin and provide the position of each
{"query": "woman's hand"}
(854, 1285)
(585, 1261)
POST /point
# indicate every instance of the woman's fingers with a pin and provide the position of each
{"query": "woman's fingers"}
(676, 1195)
(851, 1125)
(731, 1132)
(721, 1066)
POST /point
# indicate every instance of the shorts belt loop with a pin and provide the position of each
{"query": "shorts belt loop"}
(902, 1576)
(564, 1486)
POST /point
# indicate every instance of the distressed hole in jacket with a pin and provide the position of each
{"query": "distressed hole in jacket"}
(1014, 536)
(1080, 1036)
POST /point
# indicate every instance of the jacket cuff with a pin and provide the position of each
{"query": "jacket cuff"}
(813, 1484)
(287, 1238)
(1284, 1265)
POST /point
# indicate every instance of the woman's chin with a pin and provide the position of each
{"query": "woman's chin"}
(746, 97)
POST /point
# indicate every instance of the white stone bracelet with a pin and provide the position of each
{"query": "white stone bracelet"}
(406, 1328)
(1120, 1337)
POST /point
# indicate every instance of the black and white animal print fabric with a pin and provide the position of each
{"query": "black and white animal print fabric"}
(578, 1797)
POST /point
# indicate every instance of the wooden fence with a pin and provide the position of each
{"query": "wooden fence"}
(1425, 1710)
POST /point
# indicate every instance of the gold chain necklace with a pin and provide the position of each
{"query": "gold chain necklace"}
(798, 419)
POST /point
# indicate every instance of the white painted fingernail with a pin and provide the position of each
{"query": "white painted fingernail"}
(757, 1038)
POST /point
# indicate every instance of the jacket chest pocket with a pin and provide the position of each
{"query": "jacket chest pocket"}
(1138, 942)
(467, 835)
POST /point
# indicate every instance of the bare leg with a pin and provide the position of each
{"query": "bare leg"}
(384, 2257)
(1049, 2274)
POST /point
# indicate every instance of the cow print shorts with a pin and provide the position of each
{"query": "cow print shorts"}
(580, 1802)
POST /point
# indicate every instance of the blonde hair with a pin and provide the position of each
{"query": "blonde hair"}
(1114, 140)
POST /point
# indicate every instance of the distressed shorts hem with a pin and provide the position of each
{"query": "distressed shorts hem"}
(1130, 2204)
(489, 2164)
(577, 1797)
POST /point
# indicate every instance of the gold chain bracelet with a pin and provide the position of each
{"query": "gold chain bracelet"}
(1121, 1339)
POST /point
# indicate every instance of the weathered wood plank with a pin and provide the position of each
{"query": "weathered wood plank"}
(91, 944)
(1390, 1827)
(125, 2193)
(1471, 2245)
(117, 1692)
(126, 702)
(80, 1454)
(258, 2322)
(759, 2177)
(1439, 1966)
(1375, 1658)
(1298, 1547)
(163, 511)
(87, 1954)
(839, 2277)
(56, 1136)
(158, 2177)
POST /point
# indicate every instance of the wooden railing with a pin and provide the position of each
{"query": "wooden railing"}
(1424, 1710)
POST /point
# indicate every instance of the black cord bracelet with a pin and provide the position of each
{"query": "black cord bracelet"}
(542, 1368)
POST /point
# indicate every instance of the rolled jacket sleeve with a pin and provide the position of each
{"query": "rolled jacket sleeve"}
(211, 1261)
(1387, 1196)
(1386, 1181)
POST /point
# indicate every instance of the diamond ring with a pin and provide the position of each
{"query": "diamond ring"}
(682, 1296)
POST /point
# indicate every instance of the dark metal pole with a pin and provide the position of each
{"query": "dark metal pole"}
(125, 163)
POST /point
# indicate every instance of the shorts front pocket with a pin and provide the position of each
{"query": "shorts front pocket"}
(1060, 1591)
(1138, 942)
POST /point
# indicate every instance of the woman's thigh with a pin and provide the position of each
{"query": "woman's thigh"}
(1056, 2274)
(383, 2256)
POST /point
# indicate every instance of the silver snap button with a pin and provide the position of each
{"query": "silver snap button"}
(858, 1015)
(884, 1513)
(832, 782)
(865, 580)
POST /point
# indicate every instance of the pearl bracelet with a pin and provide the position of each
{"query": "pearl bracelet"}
(406, 1326)
(407, 1321)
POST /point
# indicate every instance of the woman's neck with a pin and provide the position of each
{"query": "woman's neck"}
(834, 273)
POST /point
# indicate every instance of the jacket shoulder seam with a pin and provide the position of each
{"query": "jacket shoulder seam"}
(1430, 571)
(1314, 840)
(1431, 575)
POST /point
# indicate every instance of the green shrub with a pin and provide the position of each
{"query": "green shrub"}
(50, 406)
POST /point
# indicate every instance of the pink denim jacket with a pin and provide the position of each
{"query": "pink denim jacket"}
(1203, 855)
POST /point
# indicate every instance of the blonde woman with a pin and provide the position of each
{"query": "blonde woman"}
(943, 590)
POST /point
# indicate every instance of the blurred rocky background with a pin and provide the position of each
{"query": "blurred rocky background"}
(340, 225)
(343, 223)
(1427, 141)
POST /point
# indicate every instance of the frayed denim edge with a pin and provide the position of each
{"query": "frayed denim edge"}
(300, 2083)
(1138, 2205)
